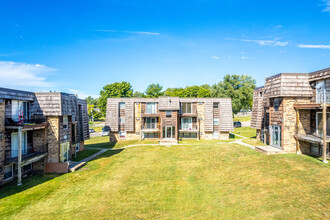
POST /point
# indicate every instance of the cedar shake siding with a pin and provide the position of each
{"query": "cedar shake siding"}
(294, 102)
(47, 120)
(165, 120)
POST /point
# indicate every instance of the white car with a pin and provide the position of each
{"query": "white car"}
(105, 131)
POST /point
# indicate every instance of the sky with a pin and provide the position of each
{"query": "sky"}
(80, 46)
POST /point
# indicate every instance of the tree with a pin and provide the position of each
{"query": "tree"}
(190, 92)
(138, 94)
(114, 90)
(91, 101)
(154, 91)
(237, 87)
(91, 111)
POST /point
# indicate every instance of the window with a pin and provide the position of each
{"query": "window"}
(65, 122)
(122, 135)
(276, 105)
(151, 108)
(168, 114)
(151, 123)
(215, 121)
(186, 123)
(315, 149)
(188, 135)
(122, 105)
(121, 120)
(20, 111)
(65, 152)
(77, 147)
(14, 144)
(8, 172)
(150, 135)
(215, 104)
(186, 108)
(216, 135)
(319, 123)
(27, 168)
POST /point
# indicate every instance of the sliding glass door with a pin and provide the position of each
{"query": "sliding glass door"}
(276, 136)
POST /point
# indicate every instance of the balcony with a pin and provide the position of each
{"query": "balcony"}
(28, 156)
(145, 113)
(26, 124)
(188, 128)
(323, 97)
(150, 127)
(193, 112)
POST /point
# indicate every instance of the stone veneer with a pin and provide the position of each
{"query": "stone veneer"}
(289, 122)
(53, 139)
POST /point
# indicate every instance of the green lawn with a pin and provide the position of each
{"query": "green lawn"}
(247, 132)
(85, 153)
(242, 118)
(193, 182)
(103, 142)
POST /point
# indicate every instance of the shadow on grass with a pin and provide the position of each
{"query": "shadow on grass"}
(108, 154)
(11, 188)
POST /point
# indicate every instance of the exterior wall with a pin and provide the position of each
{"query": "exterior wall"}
(289, 122)
(138, 119)
(2, 141)
(200, 115)
(207, 136)
(304, 147)
(57, 167)
(173, 121)
(224, 135)
(53, 133)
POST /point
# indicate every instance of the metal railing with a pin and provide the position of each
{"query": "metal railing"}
(323, 97)
(193, 111)
(150, 126)
(188, 128)
(24, 121)
(12, 155)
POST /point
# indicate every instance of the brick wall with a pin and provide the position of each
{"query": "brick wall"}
(53, 133)
(289, 122)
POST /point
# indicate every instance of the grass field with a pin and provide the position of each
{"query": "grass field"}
(85, 153)
(209, 181)
(242, 118)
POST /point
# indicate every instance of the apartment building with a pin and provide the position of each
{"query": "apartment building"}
(169, 119)
(290, 112)
(50, 127)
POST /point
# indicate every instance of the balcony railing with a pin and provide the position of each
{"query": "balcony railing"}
(26, 154)
(145, 112)
(323, 97)
(152, 126)
(24, 121)
(188, 128)
(192, 112)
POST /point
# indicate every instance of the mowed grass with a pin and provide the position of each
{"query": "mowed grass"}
(242, 118)
(215, 181)
(247, 132)
(103, 142)
(85, 153)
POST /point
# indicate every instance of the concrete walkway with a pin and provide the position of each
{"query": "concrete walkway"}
(74, 165)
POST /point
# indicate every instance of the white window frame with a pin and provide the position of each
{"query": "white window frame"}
(279, 135)
(65, 152)
(184, 106)
(122, 105)
(317, 121)
(315, 146)
(215, 104)
(17, 110)
(65, 122)
(215, 121)
(186, 123)
(29, 169)
(12, 172)
(14, 144)
(151, 108)
(151, 123)
(77, 147)
(168, 114)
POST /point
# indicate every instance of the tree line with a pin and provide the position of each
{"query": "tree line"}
(237, 87)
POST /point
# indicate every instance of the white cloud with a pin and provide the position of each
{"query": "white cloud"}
(327, 6)
(264, 42)
(278, 26)
(81, 94)
(245, 58)
(215, 57)
(314, 46)
(131, 32)
(16, 75)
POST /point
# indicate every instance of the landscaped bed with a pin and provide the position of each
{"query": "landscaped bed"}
(209, 181)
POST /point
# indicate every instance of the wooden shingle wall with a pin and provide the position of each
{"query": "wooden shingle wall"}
(16, 94)
(226, 115)
(208, 116)
(257, 108)
(48, 104)
(112, 114)
(168, 103)
(84, 117)
(129, 115)
(68, 104)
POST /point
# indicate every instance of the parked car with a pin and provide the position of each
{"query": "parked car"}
(237, 124)
(91, 130)
(105, 131)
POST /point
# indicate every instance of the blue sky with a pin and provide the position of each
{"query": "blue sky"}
(80, 46)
